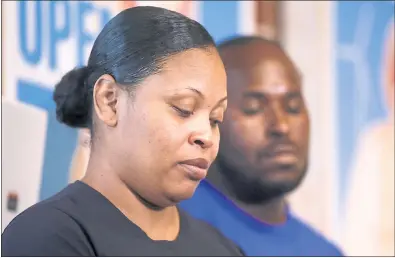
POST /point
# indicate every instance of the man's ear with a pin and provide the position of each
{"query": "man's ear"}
(105, 97)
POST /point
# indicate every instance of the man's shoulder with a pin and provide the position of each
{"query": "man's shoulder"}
(315, 237)
(206, 192)
(207, 202)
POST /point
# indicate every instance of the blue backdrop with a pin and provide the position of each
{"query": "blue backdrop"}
(360, 35)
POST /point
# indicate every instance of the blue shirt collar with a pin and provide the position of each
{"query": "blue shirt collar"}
(234, 206)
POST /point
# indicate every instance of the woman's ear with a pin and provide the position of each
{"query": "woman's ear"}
(105, 97)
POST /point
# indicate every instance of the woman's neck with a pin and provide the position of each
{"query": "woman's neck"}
(158, 224)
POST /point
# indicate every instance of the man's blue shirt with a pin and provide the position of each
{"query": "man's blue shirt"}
(293, 238)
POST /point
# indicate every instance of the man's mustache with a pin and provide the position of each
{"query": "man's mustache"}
(276, 147)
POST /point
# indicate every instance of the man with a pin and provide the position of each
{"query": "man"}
(263, 155)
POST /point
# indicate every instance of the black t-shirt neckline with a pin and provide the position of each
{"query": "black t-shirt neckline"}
(141, 234)
(80, 221)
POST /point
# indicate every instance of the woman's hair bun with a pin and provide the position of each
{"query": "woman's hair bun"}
(71, 96)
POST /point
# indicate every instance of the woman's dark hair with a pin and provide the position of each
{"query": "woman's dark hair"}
(132, 46)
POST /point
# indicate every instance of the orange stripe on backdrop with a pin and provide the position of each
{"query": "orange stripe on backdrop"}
(184, 7)
(126, 4)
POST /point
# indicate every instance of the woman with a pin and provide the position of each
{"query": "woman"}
(153, 93)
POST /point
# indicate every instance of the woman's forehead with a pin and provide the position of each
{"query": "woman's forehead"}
(194, 69)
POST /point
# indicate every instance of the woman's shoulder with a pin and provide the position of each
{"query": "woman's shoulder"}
(203, 230)
(44, 230)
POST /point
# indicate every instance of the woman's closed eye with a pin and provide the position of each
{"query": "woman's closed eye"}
(216, 118)
(183, 112)
(215, 122)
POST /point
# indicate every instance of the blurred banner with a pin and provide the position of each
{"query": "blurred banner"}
(41, 41)
(21, 157)
(365, 110)
(343, 49)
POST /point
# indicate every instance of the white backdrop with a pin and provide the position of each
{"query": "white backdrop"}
(43, 40)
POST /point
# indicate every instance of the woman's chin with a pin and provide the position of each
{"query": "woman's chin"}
(184, 192)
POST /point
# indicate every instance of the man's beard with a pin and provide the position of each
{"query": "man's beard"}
(252, 189)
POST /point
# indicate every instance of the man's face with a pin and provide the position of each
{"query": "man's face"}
(265, 135)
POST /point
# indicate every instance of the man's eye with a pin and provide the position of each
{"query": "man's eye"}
(252, 107)
(295, 105)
